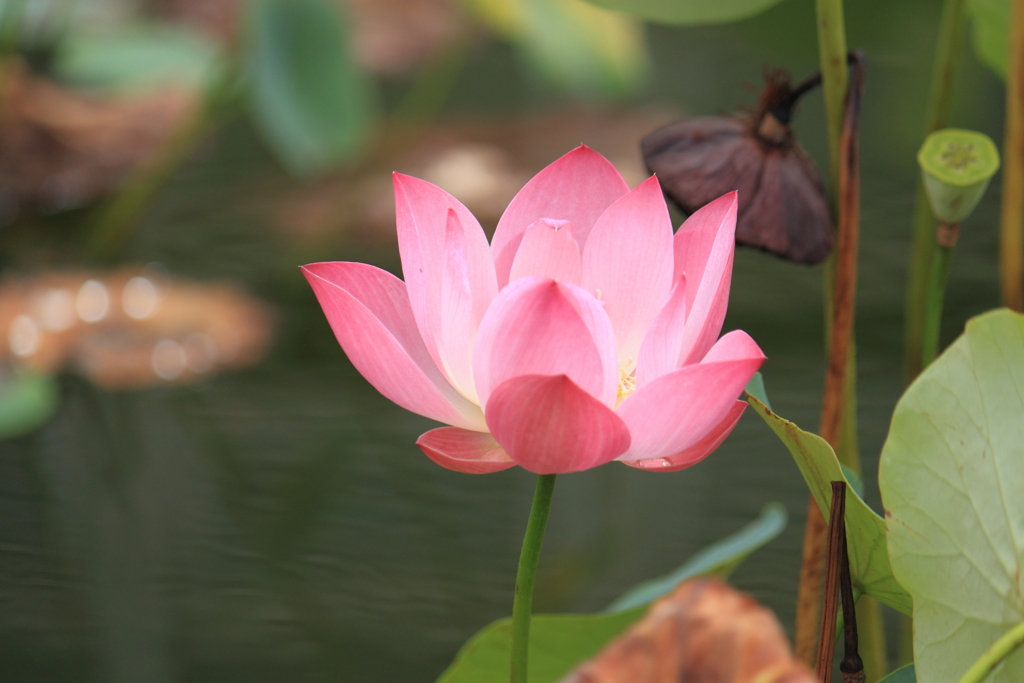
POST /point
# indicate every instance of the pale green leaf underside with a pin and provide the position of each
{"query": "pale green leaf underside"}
(558, 642)
(688, 11)
(865, 530)
(952, 480)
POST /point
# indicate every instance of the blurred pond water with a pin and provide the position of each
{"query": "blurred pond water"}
(280, 524)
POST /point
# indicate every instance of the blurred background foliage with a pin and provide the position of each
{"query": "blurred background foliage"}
(196, 485)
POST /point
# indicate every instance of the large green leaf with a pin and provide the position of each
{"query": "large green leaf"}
(865, 530)
(135, 56)
(558, 642)
(990, 33)
(26, 401)
(582, 48)
(689, 11)
(310, 100)
(952, 480)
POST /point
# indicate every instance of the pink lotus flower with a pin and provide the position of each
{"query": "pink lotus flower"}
(584, 333)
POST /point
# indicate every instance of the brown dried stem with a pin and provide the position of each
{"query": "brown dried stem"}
(836, 542)
(840, 344)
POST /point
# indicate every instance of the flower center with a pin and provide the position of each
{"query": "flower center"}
(627, 383)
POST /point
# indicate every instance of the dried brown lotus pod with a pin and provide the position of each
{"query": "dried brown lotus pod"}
(129, 328)
(62, 148)
(783, 207)
(703, 631)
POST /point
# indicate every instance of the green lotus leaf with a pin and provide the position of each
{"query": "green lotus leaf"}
(26, 402)
(990, 33)
(952, 481)
(865, 530)
(689, 11)
(309, 99)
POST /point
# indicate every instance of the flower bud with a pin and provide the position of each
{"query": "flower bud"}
(956, 165)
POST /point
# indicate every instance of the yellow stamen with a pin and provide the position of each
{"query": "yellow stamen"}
(627, 383)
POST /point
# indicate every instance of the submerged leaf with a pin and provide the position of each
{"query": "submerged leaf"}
(951, 478)
(865, 530)
(718, 559)
(560, 641)
(703, 631)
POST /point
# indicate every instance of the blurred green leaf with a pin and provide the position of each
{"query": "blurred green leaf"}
(138, 56)
(990, 33)
(558, 642)
(904, 674)
(718, 559)
(584, 49)
(865, 530)
(26, 402)
(951, 476)
(308, 97)
(688, 11)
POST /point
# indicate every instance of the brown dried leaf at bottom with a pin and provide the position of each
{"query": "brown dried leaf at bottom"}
(703, 631)
(61, 148)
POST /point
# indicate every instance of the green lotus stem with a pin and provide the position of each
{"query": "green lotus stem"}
(522, 604)
(1011, 232)
(933, 312)
(834, 77)
(999, 651)
(948, 54)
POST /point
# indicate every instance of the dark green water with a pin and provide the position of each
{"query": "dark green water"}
(278, 524)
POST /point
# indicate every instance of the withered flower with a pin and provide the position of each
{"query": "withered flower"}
(783, 208)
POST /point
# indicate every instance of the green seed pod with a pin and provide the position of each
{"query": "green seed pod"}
(956, 165)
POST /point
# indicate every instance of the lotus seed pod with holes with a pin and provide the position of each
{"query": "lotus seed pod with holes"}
(956, 165)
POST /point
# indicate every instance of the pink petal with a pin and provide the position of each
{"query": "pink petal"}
(697, 452)
(549, 425)
(456, 323)
(628, 259)
(369, 311)
(549, 250)
(423, 241)
(676, 411)
(465, 451)
(704, 248)
(576, 188)
(537, 326)
(659, 353)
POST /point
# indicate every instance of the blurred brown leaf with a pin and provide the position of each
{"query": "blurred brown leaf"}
(62, 148)
(704, 632)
